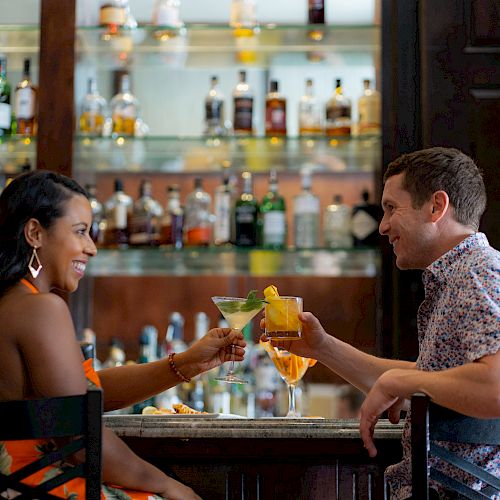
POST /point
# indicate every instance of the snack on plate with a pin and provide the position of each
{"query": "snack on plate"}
(178, 409)
(185, 409)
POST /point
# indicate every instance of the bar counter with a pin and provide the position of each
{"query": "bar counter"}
(257, 459)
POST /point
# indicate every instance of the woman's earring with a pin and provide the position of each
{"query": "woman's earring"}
(34, 272)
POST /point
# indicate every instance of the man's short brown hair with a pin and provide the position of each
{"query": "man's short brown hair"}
(443, 169)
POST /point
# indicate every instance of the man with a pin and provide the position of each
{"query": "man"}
(433, 200)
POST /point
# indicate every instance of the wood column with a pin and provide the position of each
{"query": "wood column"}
(56, 75)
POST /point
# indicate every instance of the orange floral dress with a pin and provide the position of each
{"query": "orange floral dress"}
(17, 454)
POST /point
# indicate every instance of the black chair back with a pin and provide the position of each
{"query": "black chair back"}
(76, 417)
(431, 422)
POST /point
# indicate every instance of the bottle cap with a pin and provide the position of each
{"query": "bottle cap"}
(273, 86)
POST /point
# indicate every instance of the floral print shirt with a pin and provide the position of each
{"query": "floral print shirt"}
(458, 322)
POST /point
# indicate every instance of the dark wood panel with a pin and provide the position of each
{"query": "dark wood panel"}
(56, 76)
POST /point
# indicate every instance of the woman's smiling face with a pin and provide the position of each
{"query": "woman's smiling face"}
(66, 246)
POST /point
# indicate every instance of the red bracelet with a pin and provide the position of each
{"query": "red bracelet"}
(175, 369)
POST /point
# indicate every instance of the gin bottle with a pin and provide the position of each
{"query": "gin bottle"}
(273, 216)
(223, 205)
(337, 224)
(306, 209)
(365, 222)
(173, 219)
(246, 211)
(5, 107)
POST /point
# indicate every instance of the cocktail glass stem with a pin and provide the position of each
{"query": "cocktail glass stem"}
(230, 371)
(292, 412)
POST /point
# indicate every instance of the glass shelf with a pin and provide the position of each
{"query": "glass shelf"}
(200, 155)
(232, 261)
(16, 151)
(208, 44)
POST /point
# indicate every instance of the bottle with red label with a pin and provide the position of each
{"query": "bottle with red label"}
(198, 218)
(275, 111)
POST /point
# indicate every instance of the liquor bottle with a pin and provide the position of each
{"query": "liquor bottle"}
(97, 214)
(214, 110)
(275, 111)
(316, 12)
(124, 109)
(365, 222)
(369, 107)
(5, 107)
(25, 103)
(243, 14)
(167, 13)
(337, 224)
(198, 223)
(309, 112)
(116, 354)
(145, 356)
(273, 219)
(92, 110)
(144, 224)
(246, 211)
(171, 225)
(117, 211)
(113, 14)
(306, 210)
(338, 113)
(174, 337)
(243, 107)
(223, 204)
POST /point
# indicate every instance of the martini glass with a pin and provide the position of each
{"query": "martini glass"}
(237, 312)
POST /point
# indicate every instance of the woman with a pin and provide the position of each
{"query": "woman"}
(45, 219)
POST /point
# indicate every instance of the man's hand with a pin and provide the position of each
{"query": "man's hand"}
(312, 341)
(381, 397)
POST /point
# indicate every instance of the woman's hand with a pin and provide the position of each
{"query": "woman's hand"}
(311, 342)
(174, 490)
(216, 347)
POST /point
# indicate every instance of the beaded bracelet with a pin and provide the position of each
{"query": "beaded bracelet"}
(175, 369)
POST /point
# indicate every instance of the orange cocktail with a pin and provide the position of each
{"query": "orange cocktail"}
(282, 317)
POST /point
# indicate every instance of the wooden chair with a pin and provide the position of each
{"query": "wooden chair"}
(431, 422)
(76, 417)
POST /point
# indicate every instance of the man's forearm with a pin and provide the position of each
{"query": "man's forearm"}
(472, 389)
(358, 368)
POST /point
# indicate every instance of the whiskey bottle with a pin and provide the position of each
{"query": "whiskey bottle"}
(173, 219)
(316, 11)
(92, 110)
(246, 211)
(198, 223)
(117, 210)
(124, 109)
(338, 113)
(275, 111)
(25, 103)
(97, 214)
(369, 107)
(309, 112)
(337, 224)
(223, 205)
(243, 107)
(5, 107)
(306, 213)
(273, 216)
(214, 110)
(365, 222)
(167, 13)
(144, 224)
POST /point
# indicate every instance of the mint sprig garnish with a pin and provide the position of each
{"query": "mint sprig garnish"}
(251, 303)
